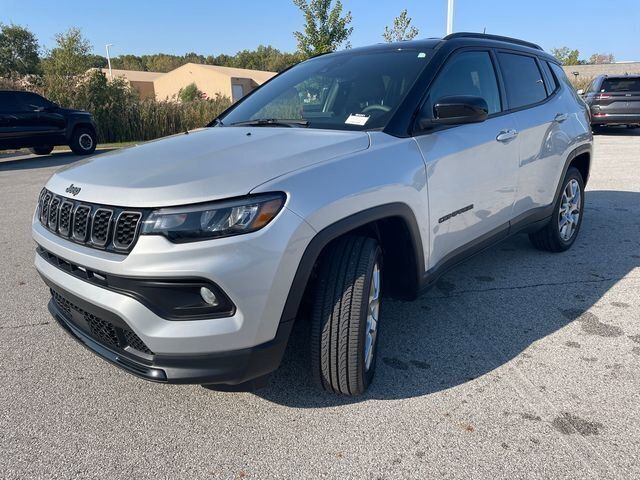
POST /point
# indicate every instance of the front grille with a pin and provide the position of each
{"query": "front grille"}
(100, 329)
(53, 212)
(64, 218)
(101, 226)
(108, 228)
(81, 222)
(126, 229)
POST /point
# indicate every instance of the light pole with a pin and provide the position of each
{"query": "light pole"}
(449, 17)
(109, 60)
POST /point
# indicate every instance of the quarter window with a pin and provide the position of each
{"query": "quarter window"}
(523, 79)
(552, 84)
(469, 73)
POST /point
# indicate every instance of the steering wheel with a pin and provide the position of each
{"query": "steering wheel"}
(376, 107)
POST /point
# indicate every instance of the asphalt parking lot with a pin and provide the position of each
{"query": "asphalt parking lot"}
(519, 364)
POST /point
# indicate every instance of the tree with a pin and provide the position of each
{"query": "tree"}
(566, 56)
(162, 62)
(401, 30)
(325, 29)
(601, 58)
(128, 62)
(18, 51)
(70, 57)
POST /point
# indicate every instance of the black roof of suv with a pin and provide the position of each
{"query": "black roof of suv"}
(460, 39)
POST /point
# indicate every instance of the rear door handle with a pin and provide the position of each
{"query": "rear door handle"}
(561, 117)
(506, 135)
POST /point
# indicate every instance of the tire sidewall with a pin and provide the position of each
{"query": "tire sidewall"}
(75, 143)
(367, 375)
(572, 173)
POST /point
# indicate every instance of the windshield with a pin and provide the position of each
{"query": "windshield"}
(349, 91)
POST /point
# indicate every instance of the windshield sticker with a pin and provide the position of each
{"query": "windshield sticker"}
(357, 119)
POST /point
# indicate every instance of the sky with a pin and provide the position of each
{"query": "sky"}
(213, 27)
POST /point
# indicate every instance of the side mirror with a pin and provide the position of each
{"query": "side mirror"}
(580, 91)
(456, 110)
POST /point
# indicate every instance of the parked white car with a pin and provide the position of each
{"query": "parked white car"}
(187, 260)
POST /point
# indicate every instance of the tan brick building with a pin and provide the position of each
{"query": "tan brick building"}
(210, 79)
(142, 82)
(234, 83)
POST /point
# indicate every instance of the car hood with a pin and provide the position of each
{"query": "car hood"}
(203, 165)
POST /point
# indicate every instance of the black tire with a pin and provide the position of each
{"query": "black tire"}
(339, 315)
(549, 237)
(83, 141)
(42, 150)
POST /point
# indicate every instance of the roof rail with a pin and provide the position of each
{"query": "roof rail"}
(487, 36)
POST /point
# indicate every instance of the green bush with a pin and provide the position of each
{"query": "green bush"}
(190, 93)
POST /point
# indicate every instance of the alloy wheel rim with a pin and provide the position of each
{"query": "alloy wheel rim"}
(373, 312)
(570, 208)
(85, 141)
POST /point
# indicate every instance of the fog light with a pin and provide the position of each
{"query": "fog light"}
(209, 297)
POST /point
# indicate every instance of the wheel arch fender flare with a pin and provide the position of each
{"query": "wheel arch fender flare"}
(348, 224)
(581, 150)
(75, 123)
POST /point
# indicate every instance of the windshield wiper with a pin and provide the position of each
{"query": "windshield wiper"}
(277, 122)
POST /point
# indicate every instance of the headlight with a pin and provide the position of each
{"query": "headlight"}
(214, 220)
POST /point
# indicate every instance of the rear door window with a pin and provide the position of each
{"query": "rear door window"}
(612, 85)
(524, 82)
(31, 102)
(8, 102)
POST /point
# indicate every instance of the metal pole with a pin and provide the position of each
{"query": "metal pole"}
(109, 61)
(449, 17)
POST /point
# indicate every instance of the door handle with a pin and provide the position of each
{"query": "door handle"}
(561, 117)
(506, 135)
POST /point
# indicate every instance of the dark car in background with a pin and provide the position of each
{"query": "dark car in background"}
(28, 120)
(614, 100)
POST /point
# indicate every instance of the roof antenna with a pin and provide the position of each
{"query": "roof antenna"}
(484, 30)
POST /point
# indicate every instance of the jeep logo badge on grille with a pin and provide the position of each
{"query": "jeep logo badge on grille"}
(73, 190)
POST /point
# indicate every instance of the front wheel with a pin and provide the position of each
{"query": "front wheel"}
(83, 141)
(560, 233)
(346, 315)
(42, 150)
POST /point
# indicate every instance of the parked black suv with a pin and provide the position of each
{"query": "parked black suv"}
(29, 120)
(614, 100)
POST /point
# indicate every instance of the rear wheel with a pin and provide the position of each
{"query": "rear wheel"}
(42, 150)
(560, 233)
(83, 141)
(346, 315)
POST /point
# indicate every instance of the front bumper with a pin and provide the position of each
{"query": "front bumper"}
(255, 271)
(232, 368)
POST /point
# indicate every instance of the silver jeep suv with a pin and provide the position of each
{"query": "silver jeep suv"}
(346, 179)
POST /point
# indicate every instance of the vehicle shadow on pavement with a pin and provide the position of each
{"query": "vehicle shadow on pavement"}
(487, 311)
(55, 159)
